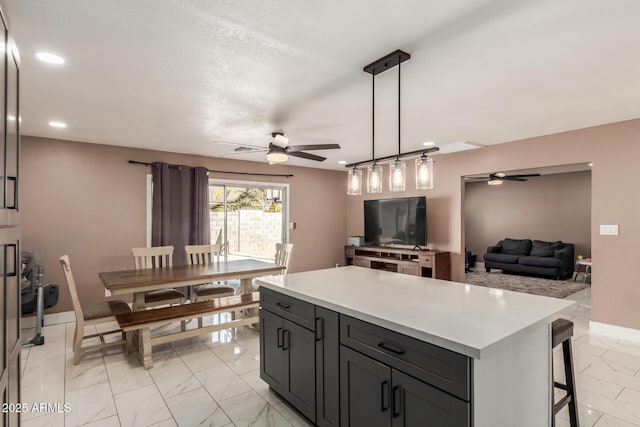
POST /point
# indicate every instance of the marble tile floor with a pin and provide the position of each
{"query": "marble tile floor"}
(213, 380)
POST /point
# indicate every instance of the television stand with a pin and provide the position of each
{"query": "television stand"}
(425, 263)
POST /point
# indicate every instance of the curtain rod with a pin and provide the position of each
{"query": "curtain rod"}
(133, 162)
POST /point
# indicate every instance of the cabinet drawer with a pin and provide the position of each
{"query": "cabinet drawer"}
(444, 369)
(361, 262)
(293, 309)
(426, 260)
(409, 268)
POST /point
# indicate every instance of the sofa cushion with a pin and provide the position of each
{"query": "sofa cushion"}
(516, 247)
(540, 248)
(540, 261)
(504, 258)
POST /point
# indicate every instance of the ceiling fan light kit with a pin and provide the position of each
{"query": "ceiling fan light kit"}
(397, 168)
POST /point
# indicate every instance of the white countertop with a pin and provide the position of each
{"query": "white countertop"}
(471, 320)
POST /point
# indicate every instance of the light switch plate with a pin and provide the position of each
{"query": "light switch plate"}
(608, 229)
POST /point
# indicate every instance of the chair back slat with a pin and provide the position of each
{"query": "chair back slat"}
(202, 254)
(283, 255)
(153, 257)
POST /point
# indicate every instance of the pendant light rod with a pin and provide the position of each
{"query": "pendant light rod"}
(399, 73)
(373, 115)
(394, 156)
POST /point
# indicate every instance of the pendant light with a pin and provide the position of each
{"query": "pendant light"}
(374, 178)
(424, 173)
(398, 168)
(355, 182)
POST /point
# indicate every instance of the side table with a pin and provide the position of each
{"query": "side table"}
(585, 265)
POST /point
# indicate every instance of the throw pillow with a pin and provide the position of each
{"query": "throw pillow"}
(516, 247)
(540, 248)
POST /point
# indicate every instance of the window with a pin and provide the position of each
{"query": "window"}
(248, 217)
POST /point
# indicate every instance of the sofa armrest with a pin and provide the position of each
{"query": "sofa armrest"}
(495, 249)
(566, 256)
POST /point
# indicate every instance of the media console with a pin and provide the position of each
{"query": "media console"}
(424, 263)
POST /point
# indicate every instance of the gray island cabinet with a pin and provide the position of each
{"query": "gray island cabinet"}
(357, 347)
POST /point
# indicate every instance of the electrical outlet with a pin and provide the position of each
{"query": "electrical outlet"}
(609, 229)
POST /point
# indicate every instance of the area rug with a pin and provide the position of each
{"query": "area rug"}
(527, 284)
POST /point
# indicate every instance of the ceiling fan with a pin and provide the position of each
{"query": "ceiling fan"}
(279, 149)
(498, 178)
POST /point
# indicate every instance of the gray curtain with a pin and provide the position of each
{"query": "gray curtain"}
(180, 214)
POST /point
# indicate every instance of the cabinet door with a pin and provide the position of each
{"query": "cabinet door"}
(300, 368)
(271, 353)
(365, 391)
(12, 137)
(417, 404)
(327, 368)
(12, 296)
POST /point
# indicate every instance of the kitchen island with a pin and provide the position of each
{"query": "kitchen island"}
(353, 346)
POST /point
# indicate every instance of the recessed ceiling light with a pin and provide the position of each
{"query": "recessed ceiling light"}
(590, 164)
(57, 124)
(428, 143)
(50, 58)
(342, 162)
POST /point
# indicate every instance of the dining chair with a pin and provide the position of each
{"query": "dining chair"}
(158, 257)
(96, 314)
(207, 254)
(283, 255)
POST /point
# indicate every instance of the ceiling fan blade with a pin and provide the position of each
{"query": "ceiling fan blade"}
(239, 153)
(513, 178)
(525, 175)
(235, 144)
(313, 147)
(308, 156)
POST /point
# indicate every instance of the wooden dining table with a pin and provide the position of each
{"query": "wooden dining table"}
(137, 282)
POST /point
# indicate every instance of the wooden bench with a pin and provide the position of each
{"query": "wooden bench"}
(142, 321)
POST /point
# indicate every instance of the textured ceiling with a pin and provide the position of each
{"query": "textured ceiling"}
(177, 75)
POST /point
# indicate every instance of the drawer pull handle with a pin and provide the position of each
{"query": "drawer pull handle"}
(384, 395)
(283, 305)
(392, 348)
(397, 401)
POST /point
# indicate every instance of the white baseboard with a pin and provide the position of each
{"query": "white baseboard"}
(49, 319)
(614, 331)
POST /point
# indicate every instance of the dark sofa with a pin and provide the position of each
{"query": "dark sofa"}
(554, 259)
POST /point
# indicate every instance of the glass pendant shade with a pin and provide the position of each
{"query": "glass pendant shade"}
(397, 176)
(355, 182)
(374, 179)
(424, 173)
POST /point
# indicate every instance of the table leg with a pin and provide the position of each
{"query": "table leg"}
(144, 347)
(246, 287)
(138, 301)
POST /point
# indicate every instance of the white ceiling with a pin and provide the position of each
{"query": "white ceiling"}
(177, 75)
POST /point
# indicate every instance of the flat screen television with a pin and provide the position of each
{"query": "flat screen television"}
(401, 221)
